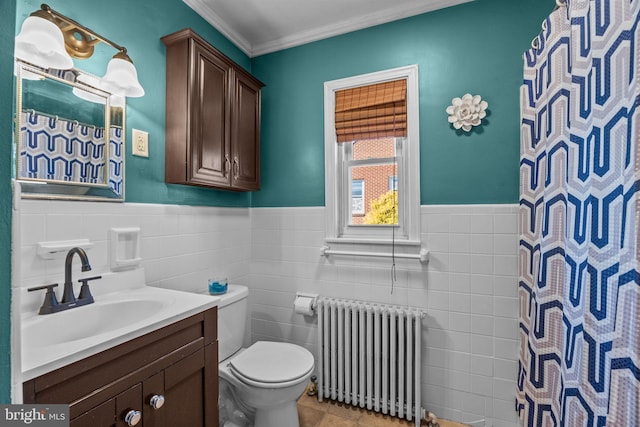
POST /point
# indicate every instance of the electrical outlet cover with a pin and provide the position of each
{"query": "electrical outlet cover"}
(140, 143)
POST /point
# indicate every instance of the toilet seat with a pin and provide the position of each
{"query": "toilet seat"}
(268, 364)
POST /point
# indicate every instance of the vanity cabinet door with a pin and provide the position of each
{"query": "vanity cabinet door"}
(126, 404)
(100, 416)
(189, 390)
(152, 391)
(113, 412)
(184, 391)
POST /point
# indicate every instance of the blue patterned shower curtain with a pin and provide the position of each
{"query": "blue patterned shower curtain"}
(579, 362)
(58, 149)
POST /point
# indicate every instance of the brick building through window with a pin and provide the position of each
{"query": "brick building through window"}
(371, 181)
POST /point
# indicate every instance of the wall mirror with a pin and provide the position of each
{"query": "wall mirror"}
(69, 139)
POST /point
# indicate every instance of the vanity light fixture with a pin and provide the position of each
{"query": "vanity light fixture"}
(48, 39)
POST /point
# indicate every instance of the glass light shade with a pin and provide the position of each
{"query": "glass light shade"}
(121, 78)
(89, 95)
(41, 43)
(114, 100)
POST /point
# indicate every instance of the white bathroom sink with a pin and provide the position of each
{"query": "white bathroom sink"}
(119, 314)
(89, 321)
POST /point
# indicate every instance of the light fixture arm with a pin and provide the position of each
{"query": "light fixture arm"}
(81, 47)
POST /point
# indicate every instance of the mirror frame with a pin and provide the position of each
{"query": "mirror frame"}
(37, 188)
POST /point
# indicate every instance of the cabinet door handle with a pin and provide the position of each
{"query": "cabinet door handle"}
(236, 168)
(227, 164)
(132, 417)
(156, 401)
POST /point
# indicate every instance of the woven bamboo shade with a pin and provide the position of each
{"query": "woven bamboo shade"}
(371, 112)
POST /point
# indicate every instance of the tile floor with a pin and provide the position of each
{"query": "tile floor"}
(332, 414)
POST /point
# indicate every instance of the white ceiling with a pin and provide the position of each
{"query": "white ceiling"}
(262, 26)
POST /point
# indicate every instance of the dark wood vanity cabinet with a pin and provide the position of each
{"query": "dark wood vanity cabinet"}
(178, 363)
(212, 117)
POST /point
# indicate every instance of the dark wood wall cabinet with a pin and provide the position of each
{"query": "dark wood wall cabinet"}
(213, 117)
(166, 378)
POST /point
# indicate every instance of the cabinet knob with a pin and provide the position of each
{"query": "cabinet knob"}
(156, 401)
(132, 417)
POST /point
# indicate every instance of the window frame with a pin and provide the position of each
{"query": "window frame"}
(408, 161)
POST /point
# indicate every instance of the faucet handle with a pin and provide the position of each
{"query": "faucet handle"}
(85, 293)
(50, 302)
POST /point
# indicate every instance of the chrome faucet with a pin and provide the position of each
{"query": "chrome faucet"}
(67, 294)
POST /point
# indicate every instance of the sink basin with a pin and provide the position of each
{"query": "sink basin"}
(89, 321)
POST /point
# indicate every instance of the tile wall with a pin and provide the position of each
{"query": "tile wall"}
(469, 286)
(181, 247)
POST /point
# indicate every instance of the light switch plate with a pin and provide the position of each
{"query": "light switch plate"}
(140, 143)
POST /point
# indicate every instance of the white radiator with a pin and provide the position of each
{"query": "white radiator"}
(370, 356)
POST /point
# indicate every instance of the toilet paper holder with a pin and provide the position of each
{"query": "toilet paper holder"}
(306, 296)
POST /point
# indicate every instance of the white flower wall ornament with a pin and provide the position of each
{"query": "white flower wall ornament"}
(467, 112)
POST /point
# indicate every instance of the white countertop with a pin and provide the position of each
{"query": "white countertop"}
(54, 340)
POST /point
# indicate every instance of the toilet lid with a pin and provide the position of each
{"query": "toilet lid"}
(273, 362)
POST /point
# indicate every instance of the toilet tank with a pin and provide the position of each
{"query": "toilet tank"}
(232, 315)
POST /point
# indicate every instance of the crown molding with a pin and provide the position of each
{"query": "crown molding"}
(393, 13)
(205, 11)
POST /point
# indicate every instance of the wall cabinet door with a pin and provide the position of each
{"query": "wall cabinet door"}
(246, 134)
(210, 156)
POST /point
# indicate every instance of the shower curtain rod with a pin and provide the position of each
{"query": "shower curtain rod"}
(56, 117)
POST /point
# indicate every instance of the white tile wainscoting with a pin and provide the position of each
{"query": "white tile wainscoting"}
(469, 286)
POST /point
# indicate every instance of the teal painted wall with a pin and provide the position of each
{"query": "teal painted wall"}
(7, 9)
(475, 47)
(138, 25)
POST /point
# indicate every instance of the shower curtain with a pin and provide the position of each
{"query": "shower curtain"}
(579, 283)
(58, 149)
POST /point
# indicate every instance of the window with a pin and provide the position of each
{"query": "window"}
(371, 162)
(372, 142)
(357, 197)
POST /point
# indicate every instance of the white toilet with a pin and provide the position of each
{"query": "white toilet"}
(267, 377)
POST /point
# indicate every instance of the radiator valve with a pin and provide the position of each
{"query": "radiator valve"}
(312, 390)
(431, 419)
